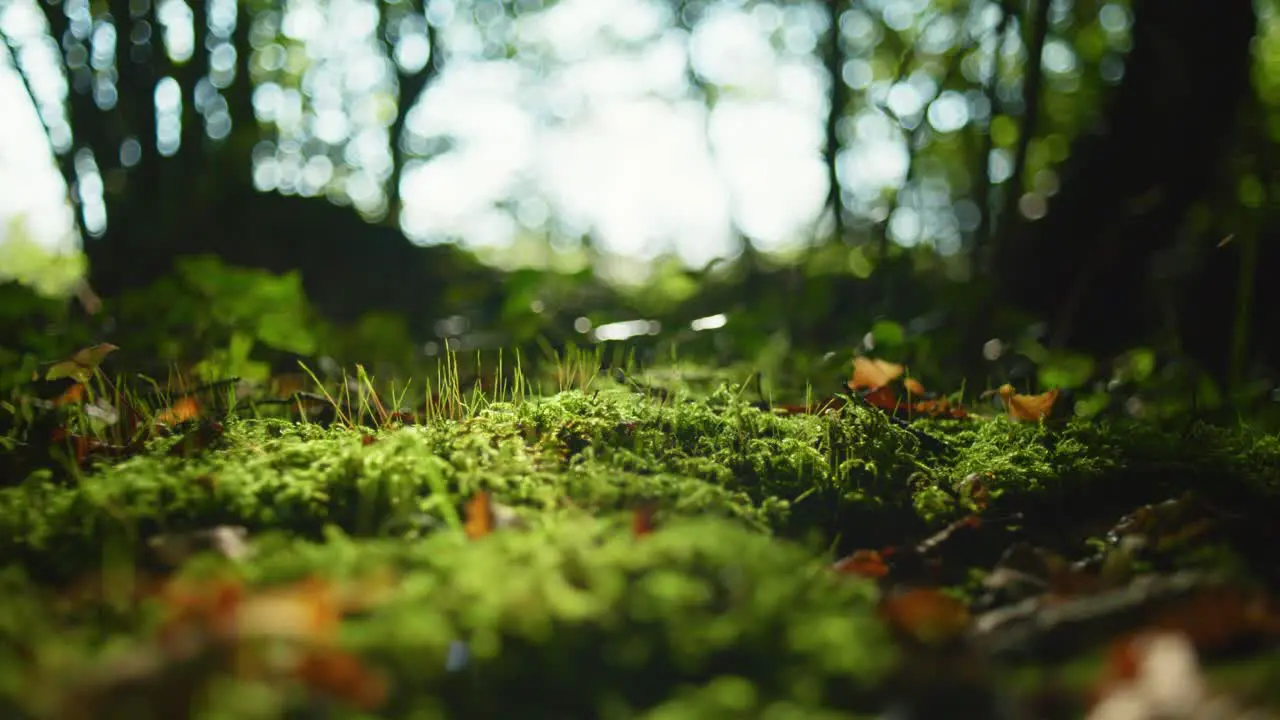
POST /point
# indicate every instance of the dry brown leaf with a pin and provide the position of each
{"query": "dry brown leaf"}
(925, 614)
(863, 563)
(642, 520)
(182, 410)
(342, 675)
(913, 386)
(1027, 408)
(74, 395)
(870, 373)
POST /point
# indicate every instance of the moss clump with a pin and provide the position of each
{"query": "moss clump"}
(718, 614)
(600, 453)
(1099, 467)
(583, 620)
(849, 474)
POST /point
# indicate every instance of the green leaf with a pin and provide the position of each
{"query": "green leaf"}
(1066, 370)
(1135, 365)
(82, 365)
(887, 333)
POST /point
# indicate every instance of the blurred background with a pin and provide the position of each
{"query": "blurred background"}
(1074, 193)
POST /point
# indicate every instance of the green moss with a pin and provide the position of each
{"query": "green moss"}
(600, 452)
(584, 620)
(1110, 464)
(849, 473)
(575, 619)
(719, 614)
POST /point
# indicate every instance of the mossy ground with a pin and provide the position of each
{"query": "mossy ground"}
(729, 609)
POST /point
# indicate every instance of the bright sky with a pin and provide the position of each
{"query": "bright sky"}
(593, 126)
(616, 141)
(33, 187)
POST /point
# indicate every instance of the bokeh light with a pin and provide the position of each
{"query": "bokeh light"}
(644, 127)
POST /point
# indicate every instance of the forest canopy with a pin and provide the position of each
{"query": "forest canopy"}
(1060, 160)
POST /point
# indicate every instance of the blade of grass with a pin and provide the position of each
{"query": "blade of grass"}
(337, 410)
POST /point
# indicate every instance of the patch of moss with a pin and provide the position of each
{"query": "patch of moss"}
(1111, 464)
(573, 620)
(718, 614)
(849, 473)
(583, 620)
(600, 452)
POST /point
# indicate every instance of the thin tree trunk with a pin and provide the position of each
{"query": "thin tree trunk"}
(1032, 88)
(410, 88)
(833, 57)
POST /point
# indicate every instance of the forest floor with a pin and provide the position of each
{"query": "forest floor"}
(660, 549)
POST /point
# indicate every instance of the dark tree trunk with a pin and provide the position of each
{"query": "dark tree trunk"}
(202, 200)
(409, 86)
(1127, 188)
(833, 58)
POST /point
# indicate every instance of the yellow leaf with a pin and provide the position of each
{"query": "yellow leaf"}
(870, 373)
(1028, 408)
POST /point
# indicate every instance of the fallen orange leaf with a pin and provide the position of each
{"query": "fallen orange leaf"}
(883, 398)
(872, 377)
(343, 676)
(210, 607)
(642, 520)
(925, 614)
(480, 518)
(913, 386)
(940, 407)
(73, 395)
(870, 373)
(1027, 408)
(307, 610)
(184, 409)
(1214, 618)
(863, 563)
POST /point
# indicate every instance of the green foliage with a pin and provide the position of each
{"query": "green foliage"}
(1136, 365)
(273, 309)
(217, 313)
(1059, 369)
(603, 452)
(887, 335)
(34, 329)
(22, 259)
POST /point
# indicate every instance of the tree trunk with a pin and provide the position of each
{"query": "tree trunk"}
(1127, 188)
